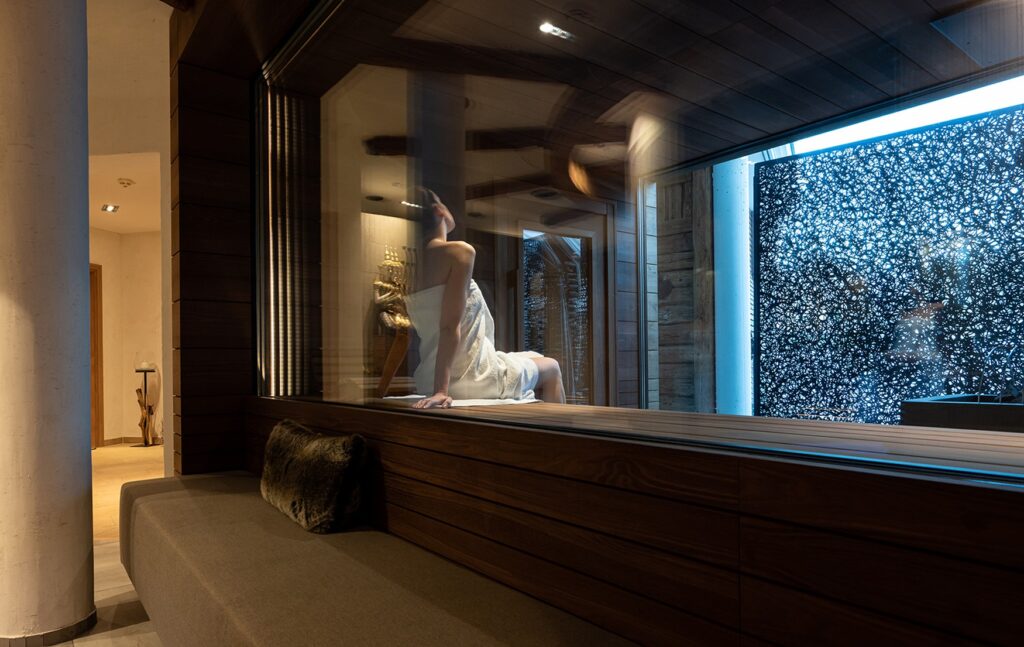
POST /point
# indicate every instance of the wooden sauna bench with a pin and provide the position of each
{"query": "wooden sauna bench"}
(928, 449)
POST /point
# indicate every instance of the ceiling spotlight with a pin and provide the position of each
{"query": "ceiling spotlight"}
(548, 28)
(375, 198)
(125, 182)
(110, 208)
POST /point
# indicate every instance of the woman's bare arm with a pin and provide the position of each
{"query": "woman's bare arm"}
(453, 305)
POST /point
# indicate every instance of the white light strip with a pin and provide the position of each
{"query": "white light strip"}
(973, 102)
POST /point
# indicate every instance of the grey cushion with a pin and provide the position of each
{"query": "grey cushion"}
(311, 477)
(215, 565)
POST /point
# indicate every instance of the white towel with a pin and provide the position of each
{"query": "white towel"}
(473, 402)
(479, 372)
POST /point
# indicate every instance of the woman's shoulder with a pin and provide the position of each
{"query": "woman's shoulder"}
(456, 250)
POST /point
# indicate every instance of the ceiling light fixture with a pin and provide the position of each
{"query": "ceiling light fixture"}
(548, 28)
(110, 208)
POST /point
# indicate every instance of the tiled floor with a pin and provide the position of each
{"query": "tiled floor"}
(121, 620)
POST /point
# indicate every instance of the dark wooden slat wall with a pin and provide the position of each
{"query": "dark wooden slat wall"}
(670, 545)
(211, 266)
(216, 50)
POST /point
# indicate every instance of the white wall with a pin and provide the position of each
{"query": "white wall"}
(132, 325)
(129, 112)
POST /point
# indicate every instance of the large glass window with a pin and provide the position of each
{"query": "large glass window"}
(811, 211)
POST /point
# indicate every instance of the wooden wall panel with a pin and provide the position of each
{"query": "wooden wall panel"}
(705, 590)
(212, 281)
(685, 305)
(795, 619)
(964, 520)
(957, 597)
(589, 598)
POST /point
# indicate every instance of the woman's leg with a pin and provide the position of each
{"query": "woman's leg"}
(550, 381)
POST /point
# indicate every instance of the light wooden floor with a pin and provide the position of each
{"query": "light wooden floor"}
(121, 620)
(111, 467)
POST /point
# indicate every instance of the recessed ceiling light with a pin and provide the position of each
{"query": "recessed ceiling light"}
(110, 208)
(548, 28)
(375, 198)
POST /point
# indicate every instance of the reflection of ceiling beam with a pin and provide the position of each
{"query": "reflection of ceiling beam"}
(563, 217)
(413, 54)
(510, 185)
(501, 139)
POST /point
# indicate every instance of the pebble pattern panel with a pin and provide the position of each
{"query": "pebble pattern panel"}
(891, 269)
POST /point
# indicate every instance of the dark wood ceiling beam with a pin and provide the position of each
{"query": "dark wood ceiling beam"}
(502, 139)
(510, 185)
(432, 56)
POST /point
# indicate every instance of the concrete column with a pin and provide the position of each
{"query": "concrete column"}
(46, 567)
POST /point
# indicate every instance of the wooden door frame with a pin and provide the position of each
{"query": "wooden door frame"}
(96, 353)
(599, 261)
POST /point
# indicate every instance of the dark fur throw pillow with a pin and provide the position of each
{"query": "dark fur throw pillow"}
(313, 478)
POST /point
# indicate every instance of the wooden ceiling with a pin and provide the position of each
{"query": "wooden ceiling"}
(729, 73)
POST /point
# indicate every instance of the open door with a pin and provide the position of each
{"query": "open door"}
(96, 352)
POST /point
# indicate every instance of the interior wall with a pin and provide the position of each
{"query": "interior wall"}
(132, 326)
(129, 99)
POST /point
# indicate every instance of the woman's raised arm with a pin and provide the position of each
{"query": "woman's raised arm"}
(461, 257)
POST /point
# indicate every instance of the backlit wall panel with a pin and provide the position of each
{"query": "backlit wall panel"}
(891, 269)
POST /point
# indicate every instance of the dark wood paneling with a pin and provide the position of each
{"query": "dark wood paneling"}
(704, 478)
(206, 462)
(980, 523)
(958, 597)
(223, 278)
(211, 135)
(602, 604)
(212, 324)
(791, 618)
(213, 372)
(190, 442)
(211, 230)
(208, 405)
(212, 92)
(704, 590)
(210, 183)
(673, 526)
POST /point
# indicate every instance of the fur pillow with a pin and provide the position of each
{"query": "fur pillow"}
(311, 477)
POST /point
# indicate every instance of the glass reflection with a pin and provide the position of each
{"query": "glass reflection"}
(634, 206)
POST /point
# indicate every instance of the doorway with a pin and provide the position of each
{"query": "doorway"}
(96, 352)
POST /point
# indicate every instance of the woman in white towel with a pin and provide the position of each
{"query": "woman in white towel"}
(457, 355)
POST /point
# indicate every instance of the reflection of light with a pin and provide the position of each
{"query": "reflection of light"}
(580, 179)
(548, 28)
(410, 204)
(529, 233)
(974, 102)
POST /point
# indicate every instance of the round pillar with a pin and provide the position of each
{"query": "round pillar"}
(46, 567)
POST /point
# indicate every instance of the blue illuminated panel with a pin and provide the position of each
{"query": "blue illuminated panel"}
(891, 269)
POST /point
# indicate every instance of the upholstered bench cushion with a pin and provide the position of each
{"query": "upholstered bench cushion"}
(214, 564)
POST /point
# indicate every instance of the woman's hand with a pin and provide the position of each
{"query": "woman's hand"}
(439, 400)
